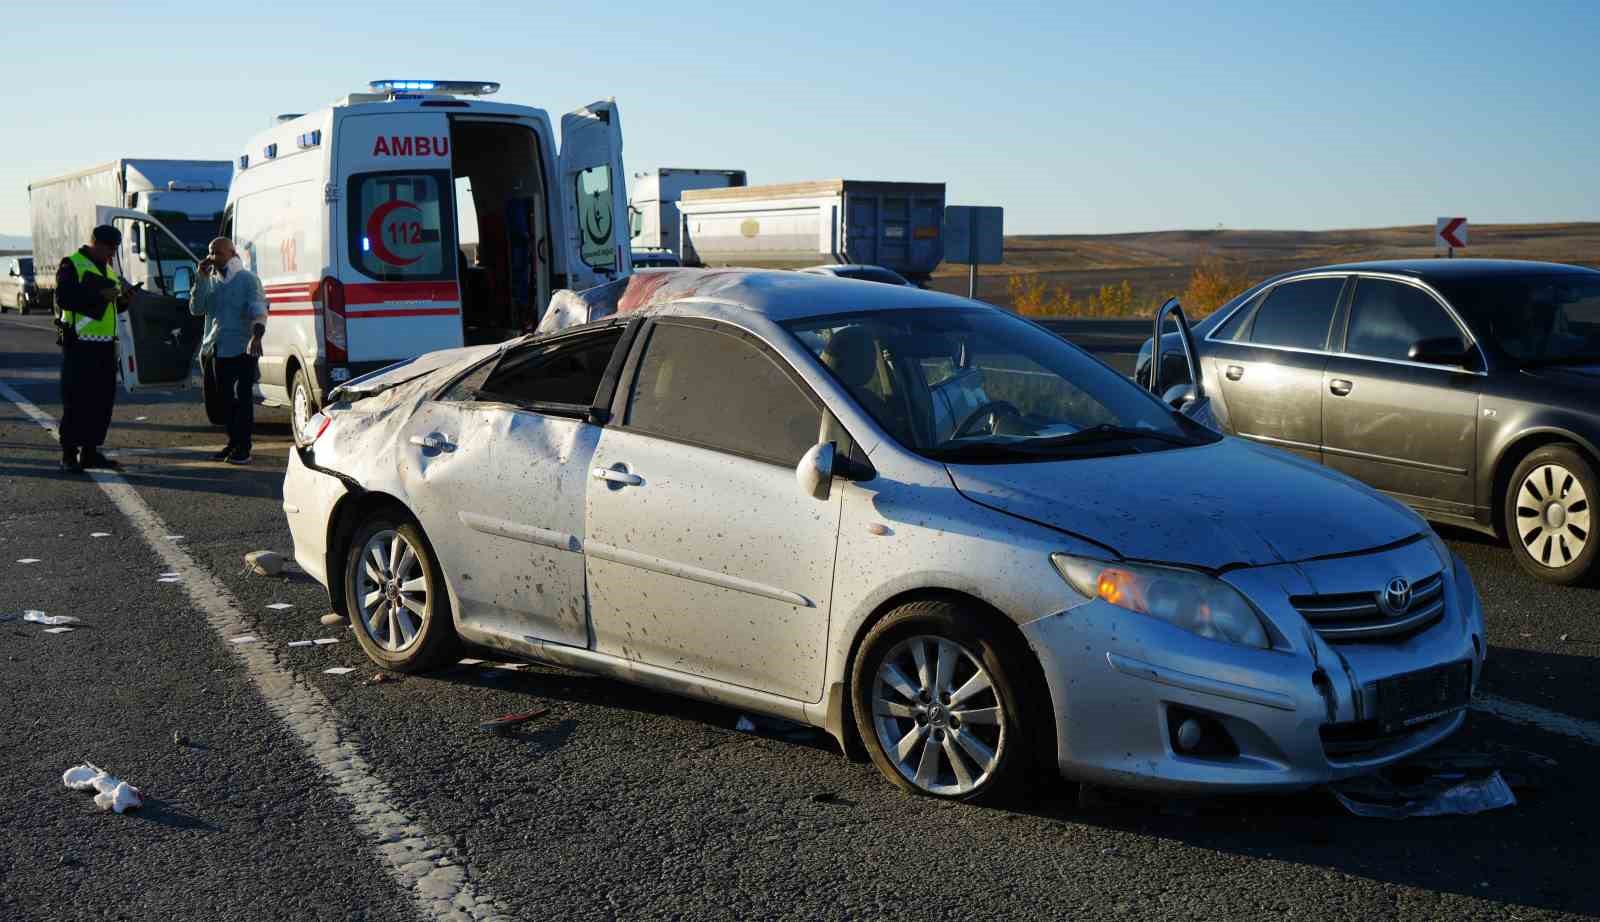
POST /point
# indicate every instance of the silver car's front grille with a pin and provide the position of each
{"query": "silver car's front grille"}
(1352, 617)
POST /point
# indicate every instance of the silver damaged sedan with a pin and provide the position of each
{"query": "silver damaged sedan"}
(943, 535)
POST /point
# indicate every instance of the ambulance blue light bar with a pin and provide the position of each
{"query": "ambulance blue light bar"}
(310, 139)
(443, 87)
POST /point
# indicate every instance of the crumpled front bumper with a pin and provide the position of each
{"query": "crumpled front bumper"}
(1119, 682)
(309, 498)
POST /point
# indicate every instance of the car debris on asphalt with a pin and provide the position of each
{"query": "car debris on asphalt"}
(1438, 784)
(332, 618)
(113, 793)
(339, 670)
(39, 617)
(264, 563)
(506, 722)
(775, 727)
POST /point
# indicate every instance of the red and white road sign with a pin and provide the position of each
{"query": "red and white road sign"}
(1450, 234)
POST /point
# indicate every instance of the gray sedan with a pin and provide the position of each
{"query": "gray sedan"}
(1465, 388)
(936, 531)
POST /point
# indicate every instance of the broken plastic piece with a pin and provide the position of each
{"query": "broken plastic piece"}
(1441, 795)
(332, 618)
(39, 617)
(506, 721)
(301, 643)
(338, 670)
(174, 537)
(81, 777)
(324, 641)
(264, 563)
(279, 606)
(57, 630)
(29, 560)
(244, 638)
(100, 534)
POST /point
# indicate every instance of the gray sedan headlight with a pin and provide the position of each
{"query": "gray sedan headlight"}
(1193, 601)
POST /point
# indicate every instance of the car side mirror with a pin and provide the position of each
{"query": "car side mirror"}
(1444, 350)
(182, 282)
(814, 473)
(1179, 396)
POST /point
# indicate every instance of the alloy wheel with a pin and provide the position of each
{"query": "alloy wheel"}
(1552, 515)
(937, 715)
(391, 591)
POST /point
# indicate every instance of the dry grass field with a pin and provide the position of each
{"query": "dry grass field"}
(1083, 275)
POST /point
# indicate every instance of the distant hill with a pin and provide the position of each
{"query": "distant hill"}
(1159, 263)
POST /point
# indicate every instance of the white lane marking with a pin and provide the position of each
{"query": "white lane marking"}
(424, 865)
(1552, 721)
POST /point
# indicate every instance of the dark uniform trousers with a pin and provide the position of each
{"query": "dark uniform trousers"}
(88, 393)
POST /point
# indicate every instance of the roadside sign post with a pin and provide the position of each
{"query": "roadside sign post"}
(1449, 235)
(974, 235)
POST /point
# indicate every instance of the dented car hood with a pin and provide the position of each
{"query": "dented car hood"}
(1228, 504)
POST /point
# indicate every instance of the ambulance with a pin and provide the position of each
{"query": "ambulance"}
(414, 217)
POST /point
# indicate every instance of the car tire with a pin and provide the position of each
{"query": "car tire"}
(302, 406)
(407, 625)
(1548, 514)
(211, 392)
(897, 703)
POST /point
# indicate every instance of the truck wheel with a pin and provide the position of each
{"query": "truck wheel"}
(302, 406)
(944, 704)
(216, 405)
(1547, 514)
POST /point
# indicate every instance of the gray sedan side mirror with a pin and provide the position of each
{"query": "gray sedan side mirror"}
(1179, 396)
(814, 473)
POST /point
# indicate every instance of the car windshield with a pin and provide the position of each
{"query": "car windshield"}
(981, 385)
(1534, 319)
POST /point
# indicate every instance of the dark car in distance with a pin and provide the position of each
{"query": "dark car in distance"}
(1468, 389)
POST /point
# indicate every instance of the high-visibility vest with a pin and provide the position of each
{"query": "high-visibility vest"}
(102, 329)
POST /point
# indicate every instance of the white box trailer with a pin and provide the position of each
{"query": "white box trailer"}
(653, 205)
(186, 196)
(896, 225)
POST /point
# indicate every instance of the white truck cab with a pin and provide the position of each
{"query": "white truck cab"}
(415, 217)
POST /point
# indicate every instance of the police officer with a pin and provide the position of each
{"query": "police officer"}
(89, 295)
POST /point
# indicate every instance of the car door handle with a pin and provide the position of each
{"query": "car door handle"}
(1339, 386)
(622, 477)
(1235, 372)
(432, 442)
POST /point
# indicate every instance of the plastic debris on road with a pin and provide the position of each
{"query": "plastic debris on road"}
(339, 670)
(174, 537)
(29, 560)
(324, 641)
(507, 721)
(470, 662)
(58, 630)
(264, 563)
(332, 618)
(244, 638)
(39, 617)
(280, 606)
(776, 727)
(112, 793)
(300, 643)
(100, 534)
(1446, 783)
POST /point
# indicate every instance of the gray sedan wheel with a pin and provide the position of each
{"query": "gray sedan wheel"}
(394, 594)
(946, 703)
(1548, 517)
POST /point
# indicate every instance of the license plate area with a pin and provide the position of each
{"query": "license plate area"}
(1405, 701)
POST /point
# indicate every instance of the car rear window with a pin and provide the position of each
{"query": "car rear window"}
(1388, 318)
(1297, 314)
(717, 389)
(400, 225)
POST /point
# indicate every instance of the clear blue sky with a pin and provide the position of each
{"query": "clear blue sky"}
(1078, 118)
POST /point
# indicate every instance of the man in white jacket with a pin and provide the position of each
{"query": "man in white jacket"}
(231, 299)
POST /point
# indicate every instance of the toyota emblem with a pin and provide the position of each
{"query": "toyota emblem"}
(1395, 597)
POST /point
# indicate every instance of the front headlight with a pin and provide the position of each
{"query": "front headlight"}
(1193, 601)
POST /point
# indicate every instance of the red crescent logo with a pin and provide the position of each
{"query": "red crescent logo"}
(375, 232)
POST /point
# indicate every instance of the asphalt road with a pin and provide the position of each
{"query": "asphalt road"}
(304, 795)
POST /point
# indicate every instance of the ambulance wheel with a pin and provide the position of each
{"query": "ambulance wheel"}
(216, 405)
(302, 406)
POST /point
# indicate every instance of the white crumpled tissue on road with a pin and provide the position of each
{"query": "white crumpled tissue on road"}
(114, 793)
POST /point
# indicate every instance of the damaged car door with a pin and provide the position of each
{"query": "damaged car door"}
(704, 556)
(514, 512)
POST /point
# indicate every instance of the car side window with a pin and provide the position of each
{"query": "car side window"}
(1388, 318)
(716, 388)
(563, 375)
(1297, 314)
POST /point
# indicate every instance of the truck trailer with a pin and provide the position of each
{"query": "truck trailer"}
(653, 206)
(185, 196)
(896, 225)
